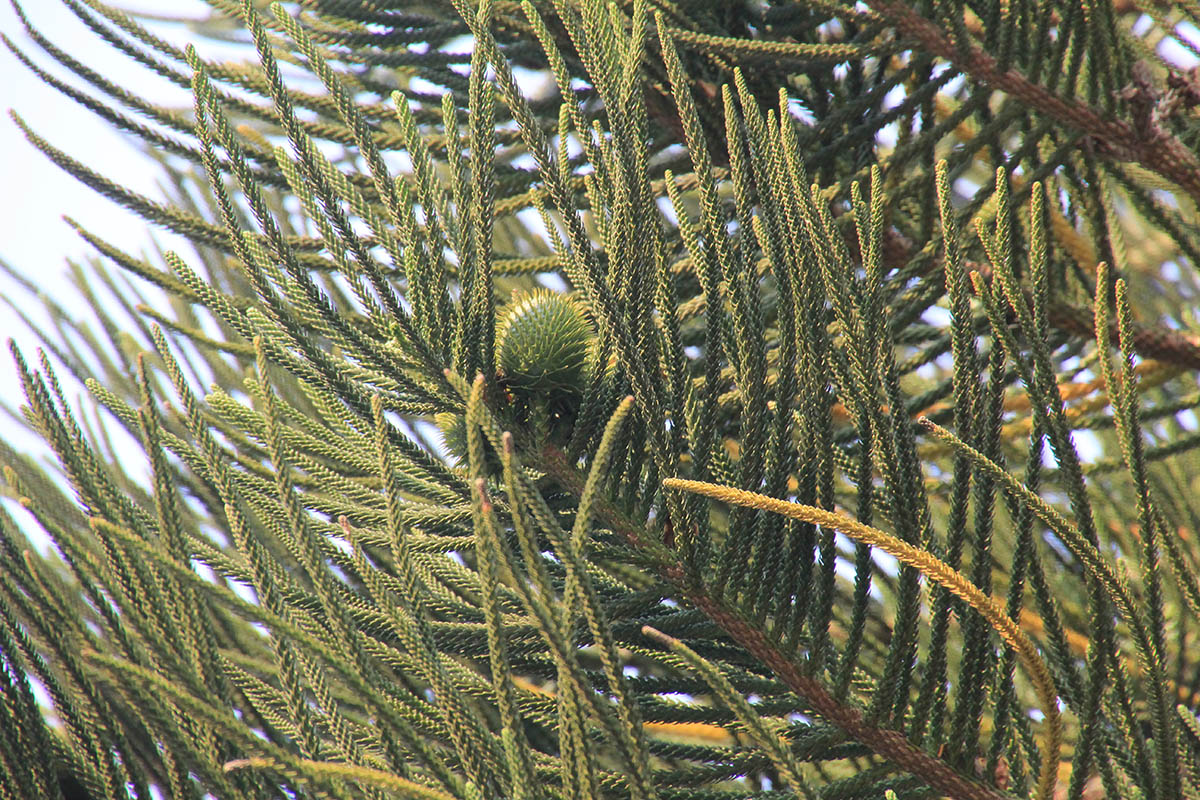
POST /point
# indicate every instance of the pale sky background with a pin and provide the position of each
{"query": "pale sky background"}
(35, 241)
(34, 238)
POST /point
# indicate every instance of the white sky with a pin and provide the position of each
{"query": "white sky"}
(35, 194)
(34, 238)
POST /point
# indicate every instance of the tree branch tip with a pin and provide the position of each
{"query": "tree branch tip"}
(485, 500)
(659, 636)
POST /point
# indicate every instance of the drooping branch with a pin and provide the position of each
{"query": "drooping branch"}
(1144, 142)
(887, 743)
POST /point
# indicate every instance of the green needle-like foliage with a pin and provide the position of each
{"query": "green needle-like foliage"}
(635, 399)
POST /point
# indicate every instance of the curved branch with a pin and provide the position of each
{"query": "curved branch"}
(935, 570)
(889, 744)
(1146, 144)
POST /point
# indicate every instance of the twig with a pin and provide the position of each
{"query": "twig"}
(1147, 143)
(889, 744)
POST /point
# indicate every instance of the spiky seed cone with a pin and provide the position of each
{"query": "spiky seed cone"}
(544, 344)
(545, 348)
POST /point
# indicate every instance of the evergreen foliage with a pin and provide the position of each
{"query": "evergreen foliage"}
(634, 399)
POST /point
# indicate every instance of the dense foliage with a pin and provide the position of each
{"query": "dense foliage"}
(635, 399)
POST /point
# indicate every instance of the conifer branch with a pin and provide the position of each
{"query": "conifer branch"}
(685, 251)
(1146, 143)
(886, 743)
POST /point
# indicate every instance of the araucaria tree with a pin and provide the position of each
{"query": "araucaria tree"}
(674, 399)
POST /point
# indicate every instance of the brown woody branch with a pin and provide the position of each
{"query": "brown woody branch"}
(1147, 144)
(1161, 344)
(885, 742)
